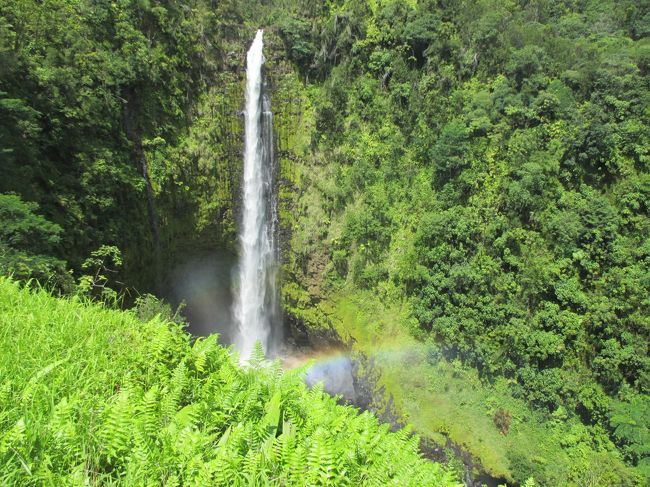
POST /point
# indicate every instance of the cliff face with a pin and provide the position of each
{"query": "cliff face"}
(197, 201)
(469, 217)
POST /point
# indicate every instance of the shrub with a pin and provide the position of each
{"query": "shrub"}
(95, 396)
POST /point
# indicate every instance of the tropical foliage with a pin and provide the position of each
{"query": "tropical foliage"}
(480, 165)
(96, 100)
(107, 399)
(486, 162)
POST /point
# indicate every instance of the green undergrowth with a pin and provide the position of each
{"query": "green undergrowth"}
(92, 396)
(444, 399)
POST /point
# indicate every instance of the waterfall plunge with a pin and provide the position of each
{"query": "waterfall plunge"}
(256, 302)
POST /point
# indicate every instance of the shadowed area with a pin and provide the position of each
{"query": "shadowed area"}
(203, 282)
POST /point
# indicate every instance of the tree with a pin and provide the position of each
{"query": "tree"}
(28, 243)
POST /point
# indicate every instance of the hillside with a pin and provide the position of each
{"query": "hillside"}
(462, 197)
(476, 191)
(93, 396)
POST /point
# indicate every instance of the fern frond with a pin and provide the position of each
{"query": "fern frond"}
(148, 411)
(63, 429)
(174, 393)
(116, 429)
(14, 437)
(258, 356)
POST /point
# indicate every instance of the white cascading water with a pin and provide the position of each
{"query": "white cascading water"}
(256, 301)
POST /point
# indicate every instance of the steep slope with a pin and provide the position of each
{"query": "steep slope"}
(477, 183)
(90, 395)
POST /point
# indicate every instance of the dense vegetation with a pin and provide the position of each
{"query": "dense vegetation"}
(472, 175)
(108, 399)
(97, 105)
(487, 162)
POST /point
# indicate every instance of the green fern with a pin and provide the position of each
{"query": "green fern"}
(63, 432)
(139, 404)
(297, 466)
(268, 425)
(148, 411)
(321, 464)
(116, 430)
(174, 392)
(258, 356)
(5, 394)
(13, 438)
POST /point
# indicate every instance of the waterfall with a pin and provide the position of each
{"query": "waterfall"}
(256, 302)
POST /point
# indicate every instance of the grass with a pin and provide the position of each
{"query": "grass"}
(445, 399)
(91, 396)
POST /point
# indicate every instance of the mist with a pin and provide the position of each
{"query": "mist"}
(204, 283)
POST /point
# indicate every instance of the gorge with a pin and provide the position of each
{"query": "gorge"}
(442, 205)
